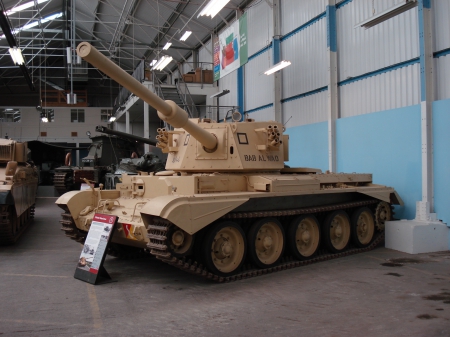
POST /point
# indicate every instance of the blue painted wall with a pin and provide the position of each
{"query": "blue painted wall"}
(308, 146)
(441, 132)
(386, 144)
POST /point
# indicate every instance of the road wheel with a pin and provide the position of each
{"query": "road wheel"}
(363, 227)
(180, 242)
(224, 248)
(266, 242)
(336, 231)
(304, 237)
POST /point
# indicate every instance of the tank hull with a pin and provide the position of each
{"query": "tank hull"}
(184, 203)
(17, 202)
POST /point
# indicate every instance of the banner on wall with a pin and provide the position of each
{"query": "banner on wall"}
(230, 48)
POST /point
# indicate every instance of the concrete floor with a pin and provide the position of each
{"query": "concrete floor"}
(351, 296)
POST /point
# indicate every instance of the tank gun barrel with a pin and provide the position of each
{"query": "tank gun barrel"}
(168, 111)
(103, 129)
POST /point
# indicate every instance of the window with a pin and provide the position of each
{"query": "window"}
(77, 115)
(47, 115)
(105, 114)
(10, 115)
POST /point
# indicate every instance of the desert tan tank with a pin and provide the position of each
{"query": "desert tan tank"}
(18, 187)
(226, 207)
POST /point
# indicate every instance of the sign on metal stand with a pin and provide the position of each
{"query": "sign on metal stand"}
(90, 265)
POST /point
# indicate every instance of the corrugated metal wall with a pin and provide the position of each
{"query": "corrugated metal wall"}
(442, 77)
(266, 114)
(441, 11)
(360, 51)
(258, 86)
(307, 50)
(306, 110)
(205, 55)
(390, 90)
(295, 13)
(364, 50)
(259, 35)
(228, 82)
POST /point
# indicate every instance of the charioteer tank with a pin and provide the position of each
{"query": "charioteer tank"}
(226, 207)
(18, 187)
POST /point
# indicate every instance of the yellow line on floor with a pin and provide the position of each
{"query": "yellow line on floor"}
(96, 315)
(412, 268)
(33, 275)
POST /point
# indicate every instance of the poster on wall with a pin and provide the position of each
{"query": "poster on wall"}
(230, 48)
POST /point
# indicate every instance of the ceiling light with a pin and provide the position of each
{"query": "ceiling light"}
(186, 35)
(44, 119)
(24, 6)
(153, 63)
(162, 63)
(35, 23)
(278, 66)
(213, 7)
(221, 93)
(167, 46)
(16, 55)
(389, 13)
(112, 119)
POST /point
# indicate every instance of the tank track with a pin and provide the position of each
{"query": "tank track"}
(116, 250)
(7, 215)
(157, 233)
(59, 181)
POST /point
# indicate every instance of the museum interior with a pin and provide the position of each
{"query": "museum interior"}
(224, 167)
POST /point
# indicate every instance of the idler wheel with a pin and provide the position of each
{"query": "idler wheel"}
(363, 227)
(383, 213)
(304, 237)
(181, 243)
(266, 242)
(336, 231)
(224, 248)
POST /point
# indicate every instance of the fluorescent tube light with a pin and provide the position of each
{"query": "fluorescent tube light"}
(153, 63)
(213, 7)
(167, 46)
(278, 66)
(220, 94)
(16, 55)
(112, 119)
(24, 6)
(162, 63)
(389, 13)
(34, 24)
(186, 35)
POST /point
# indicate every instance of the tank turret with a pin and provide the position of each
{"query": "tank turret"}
(226, 200)
(203, 145)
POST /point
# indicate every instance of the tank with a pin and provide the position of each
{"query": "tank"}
(227, 207)
(103, 154)
(19, 180)
(152, 161)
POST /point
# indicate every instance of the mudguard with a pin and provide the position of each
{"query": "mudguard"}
(191, 213)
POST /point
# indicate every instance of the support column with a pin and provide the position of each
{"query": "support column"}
(276, 44)
(146, 127)
(425, 208)
(332, 97)
(127, 121)
(425, 233)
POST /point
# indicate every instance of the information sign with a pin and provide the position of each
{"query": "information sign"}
(90, 264)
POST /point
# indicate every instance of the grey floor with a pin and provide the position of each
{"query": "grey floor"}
(351, 296)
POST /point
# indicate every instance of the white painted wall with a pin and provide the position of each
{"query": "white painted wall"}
(30, 126)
